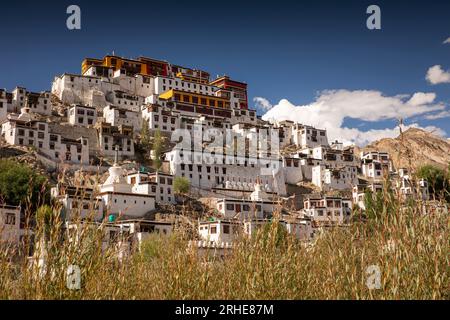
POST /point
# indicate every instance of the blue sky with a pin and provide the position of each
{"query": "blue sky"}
(283, 50)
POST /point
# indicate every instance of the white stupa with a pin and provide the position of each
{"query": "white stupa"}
(116, 181)
(259, 194)
(25, 114)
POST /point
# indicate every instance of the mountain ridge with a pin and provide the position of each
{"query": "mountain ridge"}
(414, 148)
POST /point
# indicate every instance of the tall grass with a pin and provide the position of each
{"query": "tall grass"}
(410, 250)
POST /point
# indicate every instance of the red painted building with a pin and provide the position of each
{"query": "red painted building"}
(239, 89)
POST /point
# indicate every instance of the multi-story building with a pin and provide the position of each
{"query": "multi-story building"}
(360, 190)
(328, 178)
(19, 98)
(164, 84)
(39, 103)
(83, 89)
(238, 90)
(375, 165)
(83, 116)
(227, 231)
(124, 100)
(158, 184)
(120, 199)
(117, 116)
(161, 118)
(410, 188)
(78, 203)
(328, 210)
(110, 136)
(22, 130)
(308, 137)
(207, 170)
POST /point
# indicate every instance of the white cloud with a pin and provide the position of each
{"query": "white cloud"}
(436, 75)
(420, 98)
(331, 107)
(262, 104)
(447, 41)
(438, 115)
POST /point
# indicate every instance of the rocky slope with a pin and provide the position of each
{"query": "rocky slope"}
(414, 148)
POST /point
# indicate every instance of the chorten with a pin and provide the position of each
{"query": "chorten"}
(259, 194)
(116, 181)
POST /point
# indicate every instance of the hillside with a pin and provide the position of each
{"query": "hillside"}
(415, 148)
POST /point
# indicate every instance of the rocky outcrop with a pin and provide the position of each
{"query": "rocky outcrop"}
(414, 148)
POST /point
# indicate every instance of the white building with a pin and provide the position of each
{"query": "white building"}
(120, 116)
(334, 178)
(163, 84)
(39, 103)
(308, 137)
(359, 192)
(206, 170)
(83, 116)
(408, 188)
(78, 203)
(226, 231)
(118, 196)
(124, 100)
(83, 90)
(220, 230)
(110, 136)
(11, 229)
(328, 210)
(22, 130)
(257, 206)
(161, 118)
(158, 184)
(375, 165)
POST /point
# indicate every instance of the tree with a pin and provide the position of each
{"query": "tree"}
(20, 185)
(145, 135)
(157, 149)
(438, 184)
(181, 185)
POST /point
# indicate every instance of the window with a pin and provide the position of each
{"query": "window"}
(230, 206)
(10, 218)
(226, 229)
(213, 230)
